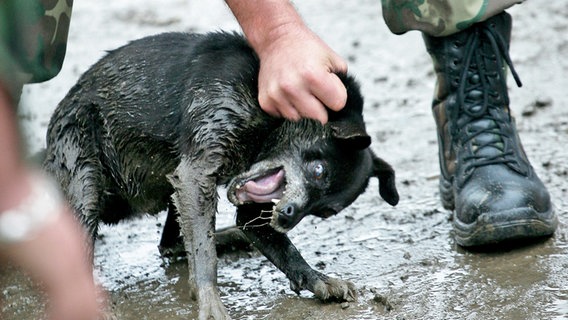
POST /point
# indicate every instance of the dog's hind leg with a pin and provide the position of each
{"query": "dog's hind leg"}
(77, 170)
(278, 248)
(195, 198)
(231, 239)
(228, 239)
(171, 243)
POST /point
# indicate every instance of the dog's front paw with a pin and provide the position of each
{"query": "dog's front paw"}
(327, 288)
(211, 307)
(335, 289)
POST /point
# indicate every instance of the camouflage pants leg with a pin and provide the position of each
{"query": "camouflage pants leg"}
(33, 39)
(439, 17)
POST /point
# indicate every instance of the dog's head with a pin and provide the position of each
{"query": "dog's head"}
(308, 168)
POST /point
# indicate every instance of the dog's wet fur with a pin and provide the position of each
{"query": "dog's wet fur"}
(163, 121)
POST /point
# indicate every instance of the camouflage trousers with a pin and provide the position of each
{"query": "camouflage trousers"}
(33, 33)
(439, 17)
(33, 40)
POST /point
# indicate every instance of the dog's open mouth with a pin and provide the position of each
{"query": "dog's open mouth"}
(262, 188)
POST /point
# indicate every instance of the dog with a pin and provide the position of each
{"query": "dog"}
(162, 121)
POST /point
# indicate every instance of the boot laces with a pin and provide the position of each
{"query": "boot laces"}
(485, 109)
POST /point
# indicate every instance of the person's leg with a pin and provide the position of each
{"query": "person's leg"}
(486, 177)
(440, 18)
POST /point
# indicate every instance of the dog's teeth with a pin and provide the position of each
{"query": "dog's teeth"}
(275, 201)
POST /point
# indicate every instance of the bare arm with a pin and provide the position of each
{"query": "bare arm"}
(54, 254)
(297, 69)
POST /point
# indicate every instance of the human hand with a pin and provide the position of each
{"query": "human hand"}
(71, 290)
(297, 76)
(54, 251)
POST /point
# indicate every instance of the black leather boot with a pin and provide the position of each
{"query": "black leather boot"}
(486, 177)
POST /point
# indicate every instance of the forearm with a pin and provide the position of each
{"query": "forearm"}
(56, 255)
(41, 236)
(264, 21)
(11, 164)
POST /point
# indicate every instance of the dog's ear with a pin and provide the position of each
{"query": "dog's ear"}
(350, 134)
(385, 173)
(347, 124)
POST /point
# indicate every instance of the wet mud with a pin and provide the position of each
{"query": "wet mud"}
(402, 259)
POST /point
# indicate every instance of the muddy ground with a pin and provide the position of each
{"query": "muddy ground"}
(403, 259)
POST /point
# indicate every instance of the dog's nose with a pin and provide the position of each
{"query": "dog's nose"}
(288, 210)
(287, 218)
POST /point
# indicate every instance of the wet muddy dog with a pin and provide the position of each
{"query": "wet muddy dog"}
(163, 121)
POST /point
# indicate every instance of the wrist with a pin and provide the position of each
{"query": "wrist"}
(39, 208)
(265, 22)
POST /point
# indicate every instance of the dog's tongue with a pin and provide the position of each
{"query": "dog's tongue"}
(263, 189)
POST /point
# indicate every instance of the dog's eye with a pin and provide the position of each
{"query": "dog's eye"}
(318, 170)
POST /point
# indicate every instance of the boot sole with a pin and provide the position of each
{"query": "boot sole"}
(518, 223)
(521, 223)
